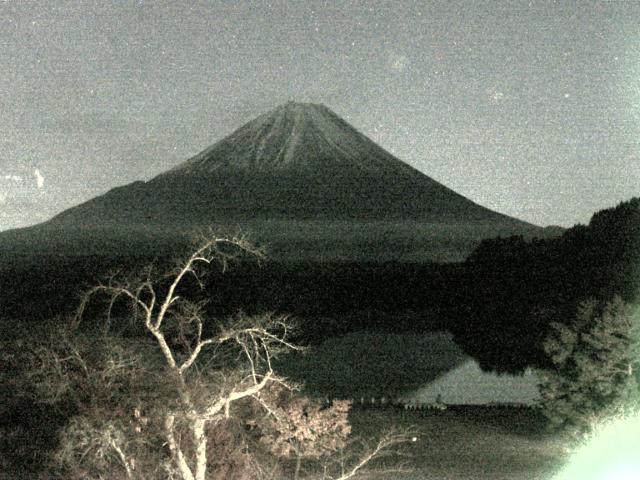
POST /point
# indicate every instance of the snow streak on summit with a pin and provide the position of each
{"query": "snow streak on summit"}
(295, 136)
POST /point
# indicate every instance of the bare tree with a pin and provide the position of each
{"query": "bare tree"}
(366, 459)
(146, 408)
(203, 398)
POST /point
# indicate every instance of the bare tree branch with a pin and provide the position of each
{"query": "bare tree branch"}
(201, 393)
(194, 355)
(176, 450)
(385, 446)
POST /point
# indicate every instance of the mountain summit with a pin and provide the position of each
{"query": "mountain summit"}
(301, 137)
(298, 161)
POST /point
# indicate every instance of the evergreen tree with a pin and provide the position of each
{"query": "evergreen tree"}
(596, 360)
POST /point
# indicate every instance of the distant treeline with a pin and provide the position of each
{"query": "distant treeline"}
(515, 288)
(326, 298)
(497, 304)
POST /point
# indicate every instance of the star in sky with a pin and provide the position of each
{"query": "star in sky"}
(497, 96)
(398, 62)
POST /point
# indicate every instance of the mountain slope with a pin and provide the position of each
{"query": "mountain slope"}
(298, 161)
(301, 179)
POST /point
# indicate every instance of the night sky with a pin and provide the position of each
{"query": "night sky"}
(528, 108)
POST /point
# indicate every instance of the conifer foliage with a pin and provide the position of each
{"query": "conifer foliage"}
(596, 361)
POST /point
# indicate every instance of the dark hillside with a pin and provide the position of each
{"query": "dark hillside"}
(514, 288)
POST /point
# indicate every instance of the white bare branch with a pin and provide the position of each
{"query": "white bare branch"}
(123, 458)
(385, 446)
(176, 450)
(194, 355)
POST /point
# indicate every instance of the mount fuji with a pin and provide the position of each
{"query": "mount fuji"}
(297, 161)
(294, 175)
